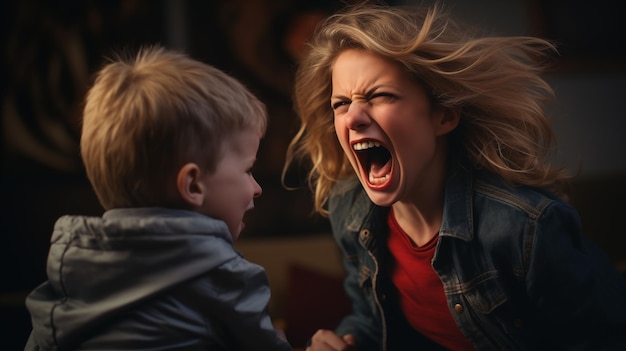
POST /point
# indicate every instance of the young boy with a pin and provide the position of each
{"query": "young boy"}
(168, 143)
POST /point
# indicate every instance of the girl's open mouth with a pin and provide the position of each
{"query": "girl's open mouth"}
(375, 161)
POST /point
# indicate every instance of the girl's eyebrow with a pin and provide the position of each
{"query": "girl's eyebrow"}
(368, 93)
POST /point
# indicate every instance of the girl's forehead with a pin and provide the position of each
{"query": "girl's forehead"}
(359, 72)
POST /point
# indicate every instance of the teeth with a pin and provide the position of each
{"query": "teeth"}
(369, 145)
(374, 180)
(365, 145)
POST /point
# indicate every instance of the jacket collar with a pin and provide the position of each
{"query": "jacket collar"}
(457, 219)
(458, 211)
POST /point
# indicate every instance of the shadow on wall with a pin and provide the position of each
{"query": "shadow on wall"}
(600, 203)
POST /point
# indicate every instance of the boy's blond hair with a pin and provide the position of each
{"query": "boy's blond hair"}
(148, 115)
(494, 82)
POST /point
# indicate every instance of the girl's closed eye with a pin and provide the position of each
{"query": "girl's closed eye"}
(338, 104)
(379, 97)
(382, 97)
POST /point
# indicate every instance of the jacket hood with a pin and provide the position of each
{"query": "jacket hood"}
(99, 266)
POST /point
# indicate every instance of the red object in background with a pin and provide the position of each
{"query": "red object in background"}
(315, 300)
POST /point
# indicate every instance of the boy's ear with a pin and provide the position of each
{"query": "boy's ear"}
(189, 185)
(448, 120)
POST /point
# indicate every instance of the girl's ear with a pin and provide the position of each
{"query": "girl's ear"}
(448, 120)
(189, 185)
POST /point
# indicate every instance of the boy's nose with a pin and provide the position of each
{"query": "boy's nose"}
(257, 188)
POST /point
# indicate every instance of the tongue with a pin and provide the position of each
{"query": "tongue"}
(380, 170)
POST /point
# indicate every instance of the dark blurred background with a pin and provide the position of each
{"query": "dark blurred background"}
(50, 50)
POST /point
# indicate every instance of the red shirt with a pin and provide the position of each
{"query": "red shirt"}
(420, 290)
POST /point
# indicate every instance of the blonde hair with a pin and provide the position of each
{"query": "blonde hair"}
(149, 114)
(493, 81)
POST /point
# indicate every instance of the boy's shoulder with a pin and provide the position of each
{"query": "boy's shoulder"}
(145, 220)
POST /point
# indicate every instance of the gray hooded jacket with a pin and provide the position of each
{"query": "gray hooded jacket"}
(149, 279)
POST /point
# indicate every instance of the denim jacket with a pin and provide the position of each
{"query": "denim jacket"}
(517, 272)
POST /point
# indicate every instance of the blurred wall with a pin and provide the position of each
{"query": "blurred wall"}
(589, 77)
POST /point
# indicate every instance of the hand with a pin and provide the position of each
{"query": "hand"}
(327, 340)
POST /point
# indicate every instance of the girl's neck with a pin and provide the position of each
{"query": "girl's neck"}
(419, 225)
(421, 215)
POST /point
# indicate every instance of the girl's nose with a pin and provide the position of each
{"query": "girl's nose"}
(357, 116)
